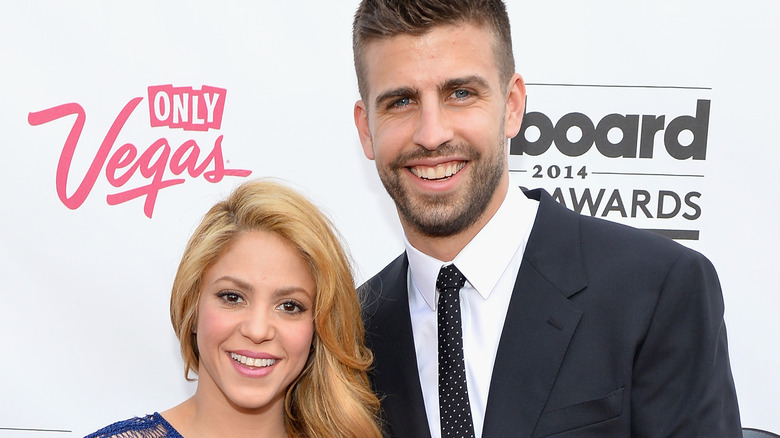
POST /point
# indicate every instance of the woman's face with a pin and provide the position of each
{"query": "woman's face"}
(255, 322)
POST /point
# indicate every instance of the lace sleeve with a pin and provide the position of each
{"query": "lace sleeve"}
(150, 426)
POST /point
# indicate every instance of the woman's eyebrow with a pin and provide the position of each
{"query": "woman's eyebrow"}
(239, 283)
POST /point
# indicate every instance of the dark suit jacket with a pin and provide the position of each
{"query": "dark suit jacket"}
(610, 332)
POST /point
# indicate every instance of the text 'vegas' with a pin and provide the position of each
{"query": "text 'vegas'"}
(126, 160)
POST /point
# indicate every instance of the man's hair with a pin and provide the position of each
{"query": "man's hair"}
(382, 19)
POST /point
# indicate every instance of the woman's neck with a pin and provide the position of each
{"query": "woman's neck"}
(205, 417)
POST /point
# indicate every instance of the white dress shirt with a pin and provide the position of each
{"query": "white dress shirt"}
(490, 263)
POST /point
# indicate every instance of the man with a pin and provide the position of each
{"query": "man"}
(566, 325)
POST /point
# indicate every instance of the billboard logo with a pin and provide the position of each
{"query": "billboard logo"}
(633, 154)
(631, 135)
(159, 165)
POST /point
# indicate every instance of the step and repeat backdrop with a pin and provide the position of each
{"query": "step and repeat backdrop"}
(123, 122)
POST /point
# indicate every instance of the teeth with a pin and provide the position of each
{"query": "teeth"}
(253, 361)
(439, 171)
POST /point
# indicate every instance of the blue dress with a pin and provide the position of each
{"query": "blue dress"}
(150, 426)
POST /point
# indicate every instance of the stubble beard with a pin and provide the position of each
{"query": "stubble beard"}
(442, 215)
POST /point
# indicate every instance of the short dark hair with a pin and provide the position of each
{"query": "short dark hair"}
(380, 19)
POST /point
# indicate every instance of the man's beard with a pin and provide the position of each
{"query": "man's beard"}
(441, 215)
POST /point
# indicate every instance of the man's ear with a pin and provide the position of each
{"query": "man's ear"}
(361, 123)
(515, 105)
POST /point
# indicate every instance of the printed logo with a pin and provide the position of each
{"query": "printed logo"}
(159, 165)
(635, 155)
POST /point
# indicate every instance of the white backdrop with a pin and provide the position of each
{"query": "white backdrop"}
(84, 331)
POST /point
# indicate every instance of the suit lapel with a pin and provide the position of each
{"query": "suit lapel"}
(389, 335)
(540, 322)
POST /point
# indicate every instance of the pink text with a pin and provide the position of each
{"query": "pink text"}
(126, 160)
(186, 108)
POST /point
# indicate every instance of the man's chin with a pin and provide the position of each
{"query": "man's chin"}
(434, 222)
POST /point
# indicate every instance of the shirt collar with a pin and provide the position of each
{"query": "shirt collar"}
(500, 237)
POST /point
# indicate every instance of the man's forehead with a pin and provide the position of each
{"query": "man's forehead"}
(424, 37)
(411, 60)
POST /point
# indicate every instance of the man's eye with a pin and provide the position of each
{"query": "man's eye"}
(402, 102)
(461, 94)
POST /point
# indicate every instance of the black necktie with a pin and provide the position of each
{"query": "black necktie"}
(454, 408)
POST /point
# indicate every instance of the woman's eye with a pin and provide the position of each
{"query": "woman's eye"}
(291, 307)
(230, 297)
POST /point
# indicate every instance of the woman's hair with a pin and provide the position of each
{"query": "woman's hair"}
(331, 397)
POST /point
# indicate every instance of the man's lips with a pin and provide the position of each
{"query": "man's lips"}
(439, 171)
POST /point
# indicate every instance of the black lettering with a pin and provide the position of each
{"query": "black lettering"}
(550, 133)
(520, 144)
(579, 147)
(626, 147)
(650, 126)
(577, 205)
(696, 209)
(615, 203)
(640, 203)
(663, 194)
(697, 125)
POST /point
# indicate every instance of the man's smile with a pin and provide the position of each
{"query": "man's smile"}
(439, 171)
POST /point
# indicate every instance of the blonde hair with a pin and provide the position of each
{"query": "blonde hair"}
(331, 397)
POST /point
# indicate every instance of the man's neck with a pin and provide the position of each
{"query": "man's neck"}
(446, 248)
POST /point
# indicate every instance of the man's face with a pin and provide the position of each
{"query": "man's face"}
(435, 120)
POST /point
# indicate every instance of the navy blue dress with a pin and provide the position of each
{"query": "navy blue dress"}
(150, 426)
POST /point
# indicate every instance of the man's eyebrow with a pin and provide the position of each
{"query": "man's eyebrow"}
(394, 94)
(474, 80)
(397, 93)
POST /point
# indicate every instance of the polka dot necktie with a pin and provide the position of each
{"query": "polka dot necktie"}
(454, 408)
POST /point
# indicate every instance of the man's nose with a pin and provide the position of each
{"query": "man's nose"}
(433, 127)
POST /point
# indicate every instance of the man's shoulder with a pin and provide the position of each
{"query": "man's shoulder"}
(387, 285)
(391, 270)
(602, 233)
(620, 240)
(601, 247)
(378, 285)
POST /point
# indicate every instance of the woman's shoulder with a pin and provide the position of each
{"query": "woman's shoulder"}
(150, 426)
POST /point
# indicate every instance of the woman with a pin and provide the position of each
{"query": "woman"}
(265, 309)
